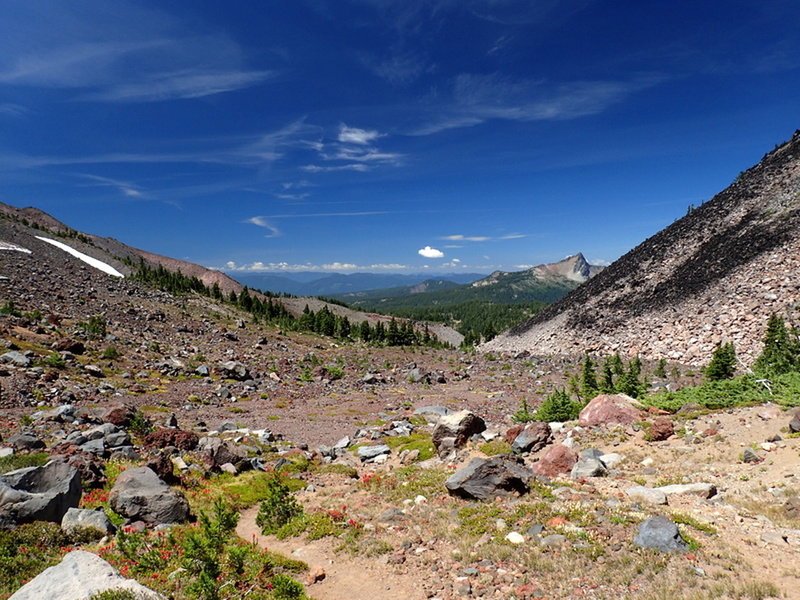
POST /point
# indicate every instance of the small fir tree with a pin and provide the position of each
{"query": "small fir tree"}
(589, 387)
(781, 353)
(722, 364)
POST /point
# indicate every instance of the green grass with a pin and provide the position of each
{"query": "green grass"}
(415, 441)
(496, 447)
(20, 461)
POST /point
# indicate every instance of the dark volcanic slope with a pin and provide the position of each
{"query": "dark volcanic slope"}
(714, 275)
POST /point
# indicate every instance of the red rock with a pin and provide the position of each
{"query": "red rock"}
(558, 459)
(609, 409)
(119, 415)
(180, 438)
(512, 433)
(660, 429)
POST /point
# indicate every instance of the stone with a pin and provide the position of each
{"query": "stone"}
(453, 430)
(774, 538)
(90, 466)
(162, 466)
(39, 493)
(81, 520)
(97, 447)
(60, 414)
(432, 413)
(177, 438)
(750, 456)
(484, 479)
(647, 495)
(533, 438)
(79, 576)
(612, 459)
(16, 359)
(515, 537)
(660, 533)
(139, 494)
(119, 415)
(704, 490)
(609, 409)
(557, 459)
(367, 453)
(589, 467)
(660, 429)
(94, 371)
(794, 424)
(25, 441)
(554, 540)
(216, 452)
(234, 370)
(417, 374)
(71, 346)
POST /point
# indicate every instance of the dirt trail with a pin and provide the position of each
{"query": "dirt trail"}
(345, 577)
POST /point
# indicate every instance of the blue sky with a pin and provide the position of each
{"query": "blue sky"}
(387, 135)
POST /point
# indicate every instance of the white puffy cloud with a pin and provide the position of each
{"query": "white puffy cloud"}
(429, 252)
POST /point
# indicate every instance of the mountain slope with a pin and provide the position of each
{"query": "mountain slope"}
(714, 275)
(543, 283)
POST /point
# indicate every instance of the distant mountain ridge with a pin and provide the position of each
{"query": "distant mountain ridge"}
(331, 284)
(713, 276)
(542, 283)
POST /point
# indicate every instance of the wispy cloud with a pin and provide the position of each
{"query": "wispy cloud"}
(474, 99)
(262, 222)
(9, 109)
(354, 135)
(127, 189)
(129, 54)
(259, 266)
(429, 252)
(365, 213)
(480, 238)
(360, 167)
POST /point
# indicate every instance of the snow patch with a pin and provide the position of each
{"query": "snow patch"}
(10, 246)
(97, 264)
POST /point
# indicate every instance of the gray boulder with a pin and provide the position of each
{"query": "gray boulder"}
(79, 576)
(647, 495)
(139, 494)
(38, 493)
(661, 534)
(533, 438)
(234, 370)
(82, 520)
(215, 452)
(25, 441)
(589, 467)
(368, 453)
(485, 479)
(432, 413)
(453, 430)
(15, 358)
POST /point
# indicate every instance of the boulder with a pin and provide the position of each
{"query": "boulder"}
(484, 479)
(25, 441)
(660, 429)
(558, 459)
(216, 452)
(416, 375)
(178, 438)
(79, 576)
(60, 414)
(660, 533)
(367, 453)
(532, 438)
(588, 467)
(82, 520)
(90, 466)
(234, 370)
(609, 409)
(38, 493)
(71, 346)
(647, 495)
(15, 358)
(119, 415)
(432, 413)
(453, 430)
(704, 490)
(162, 465)
(139, 494)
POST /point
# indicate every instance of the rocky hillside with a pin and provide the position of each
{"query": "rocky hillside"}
(715, 275)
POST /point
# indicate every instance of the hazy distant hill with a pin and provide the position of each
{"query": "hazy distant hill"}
(325, 284)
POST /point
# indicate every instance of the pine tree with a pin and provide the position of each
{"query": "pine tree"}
(589, 387)
(607, 383)
(781, 353)
(722, 364)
